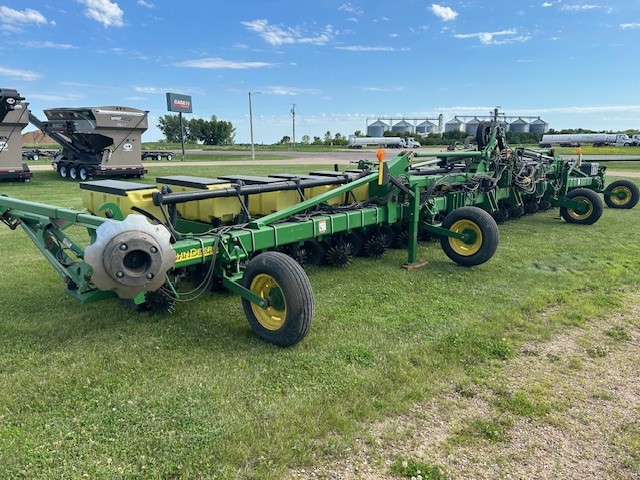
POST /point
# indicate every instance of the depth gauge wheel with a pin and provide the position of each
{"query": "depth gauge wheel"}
(591, 211)
(622, 194)
(480, 230)
(280, 279)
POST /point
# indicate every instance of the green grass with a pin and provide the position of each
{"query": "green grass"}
(409, 468)
(99, 392)
(591, 150)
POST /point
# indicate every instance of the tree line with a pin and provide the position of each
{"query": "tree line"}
(209, 132)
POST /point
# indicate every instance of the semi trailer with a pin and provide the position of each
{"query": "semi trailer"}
(96, 141)
(13, 118)
(384, 142)
(579, 139)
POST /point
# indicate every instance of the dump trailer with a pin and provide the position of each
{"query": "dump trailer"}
(14, 116)
(96, 141)
(155, 245)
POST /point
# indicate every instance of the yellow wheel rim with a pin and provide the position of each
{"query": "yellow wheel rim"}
(581, 216)
(274, 316)
(461, 247)
(620, 196)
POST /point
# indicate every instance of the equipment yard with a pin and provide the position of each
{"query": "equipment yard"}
(378, 355)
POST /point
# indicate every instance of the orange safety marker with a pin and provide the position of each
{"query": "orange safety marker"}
(380, 154)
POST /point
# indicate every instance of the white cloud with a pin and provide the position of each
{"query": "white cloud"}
(146, 4)
(382, 89)
(219, 63)
(48, 44)
(445, 14)
(579, 8)
(19, 74)
(347, 7)
(109, 14)
(627, 26)
(547, 4)
(277, 35)
(293, 91)
(488, 38)
(13, 20)
(364, 48)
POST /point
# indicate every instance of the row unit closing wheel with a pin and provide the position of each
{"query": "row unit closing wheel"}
(622, 194)
(590, 212)
(282, 281)
(481, 236)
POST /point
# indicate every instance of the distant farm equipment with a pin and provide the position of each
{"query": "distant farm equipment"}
(157, 155)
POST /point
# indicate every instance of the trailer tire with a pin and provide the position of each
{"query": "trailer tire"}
(82, 173)
(63, 170)
(282, 280)
(73, 172)
(622, 194)
(169, 157)
(594, 207)
(485, 243)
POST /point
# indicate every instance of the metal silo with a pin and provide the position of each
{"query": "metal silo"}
(472, 126)
(519, 126)
(402, 126)
(454, 125)
(538, 126)
(426, 127)
(377, 129)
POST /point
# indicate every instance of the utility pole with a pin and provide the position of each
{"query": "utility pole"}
(293, 115)
(253, 152)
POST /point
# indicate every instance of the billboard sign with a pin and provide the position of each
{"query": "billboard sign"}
(179, 103)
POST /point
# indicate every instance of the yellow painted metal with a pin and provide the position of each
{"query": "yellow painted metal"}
(273, 317)
(461, 247)
(581, 216)
(617, 197)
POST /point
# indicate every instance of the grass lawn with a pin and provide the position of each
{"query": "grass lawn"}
(96, 391)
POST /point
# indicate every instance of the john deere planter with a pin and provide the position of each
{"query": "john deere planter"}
(251, 234)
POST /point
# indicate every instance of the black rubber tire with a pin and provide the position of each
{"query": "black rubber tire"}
(295, 290)
(82, 173)
(169, 158)
(483, 134)
(73, 172)
(591, 216)
(631, 191)
(476, 219)
(63, 170)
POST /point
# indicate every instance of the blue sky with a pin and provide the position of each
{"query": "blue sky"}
(575, 63)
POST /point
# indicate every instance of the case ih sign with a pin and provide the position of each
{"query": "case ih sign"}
(178, 103)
